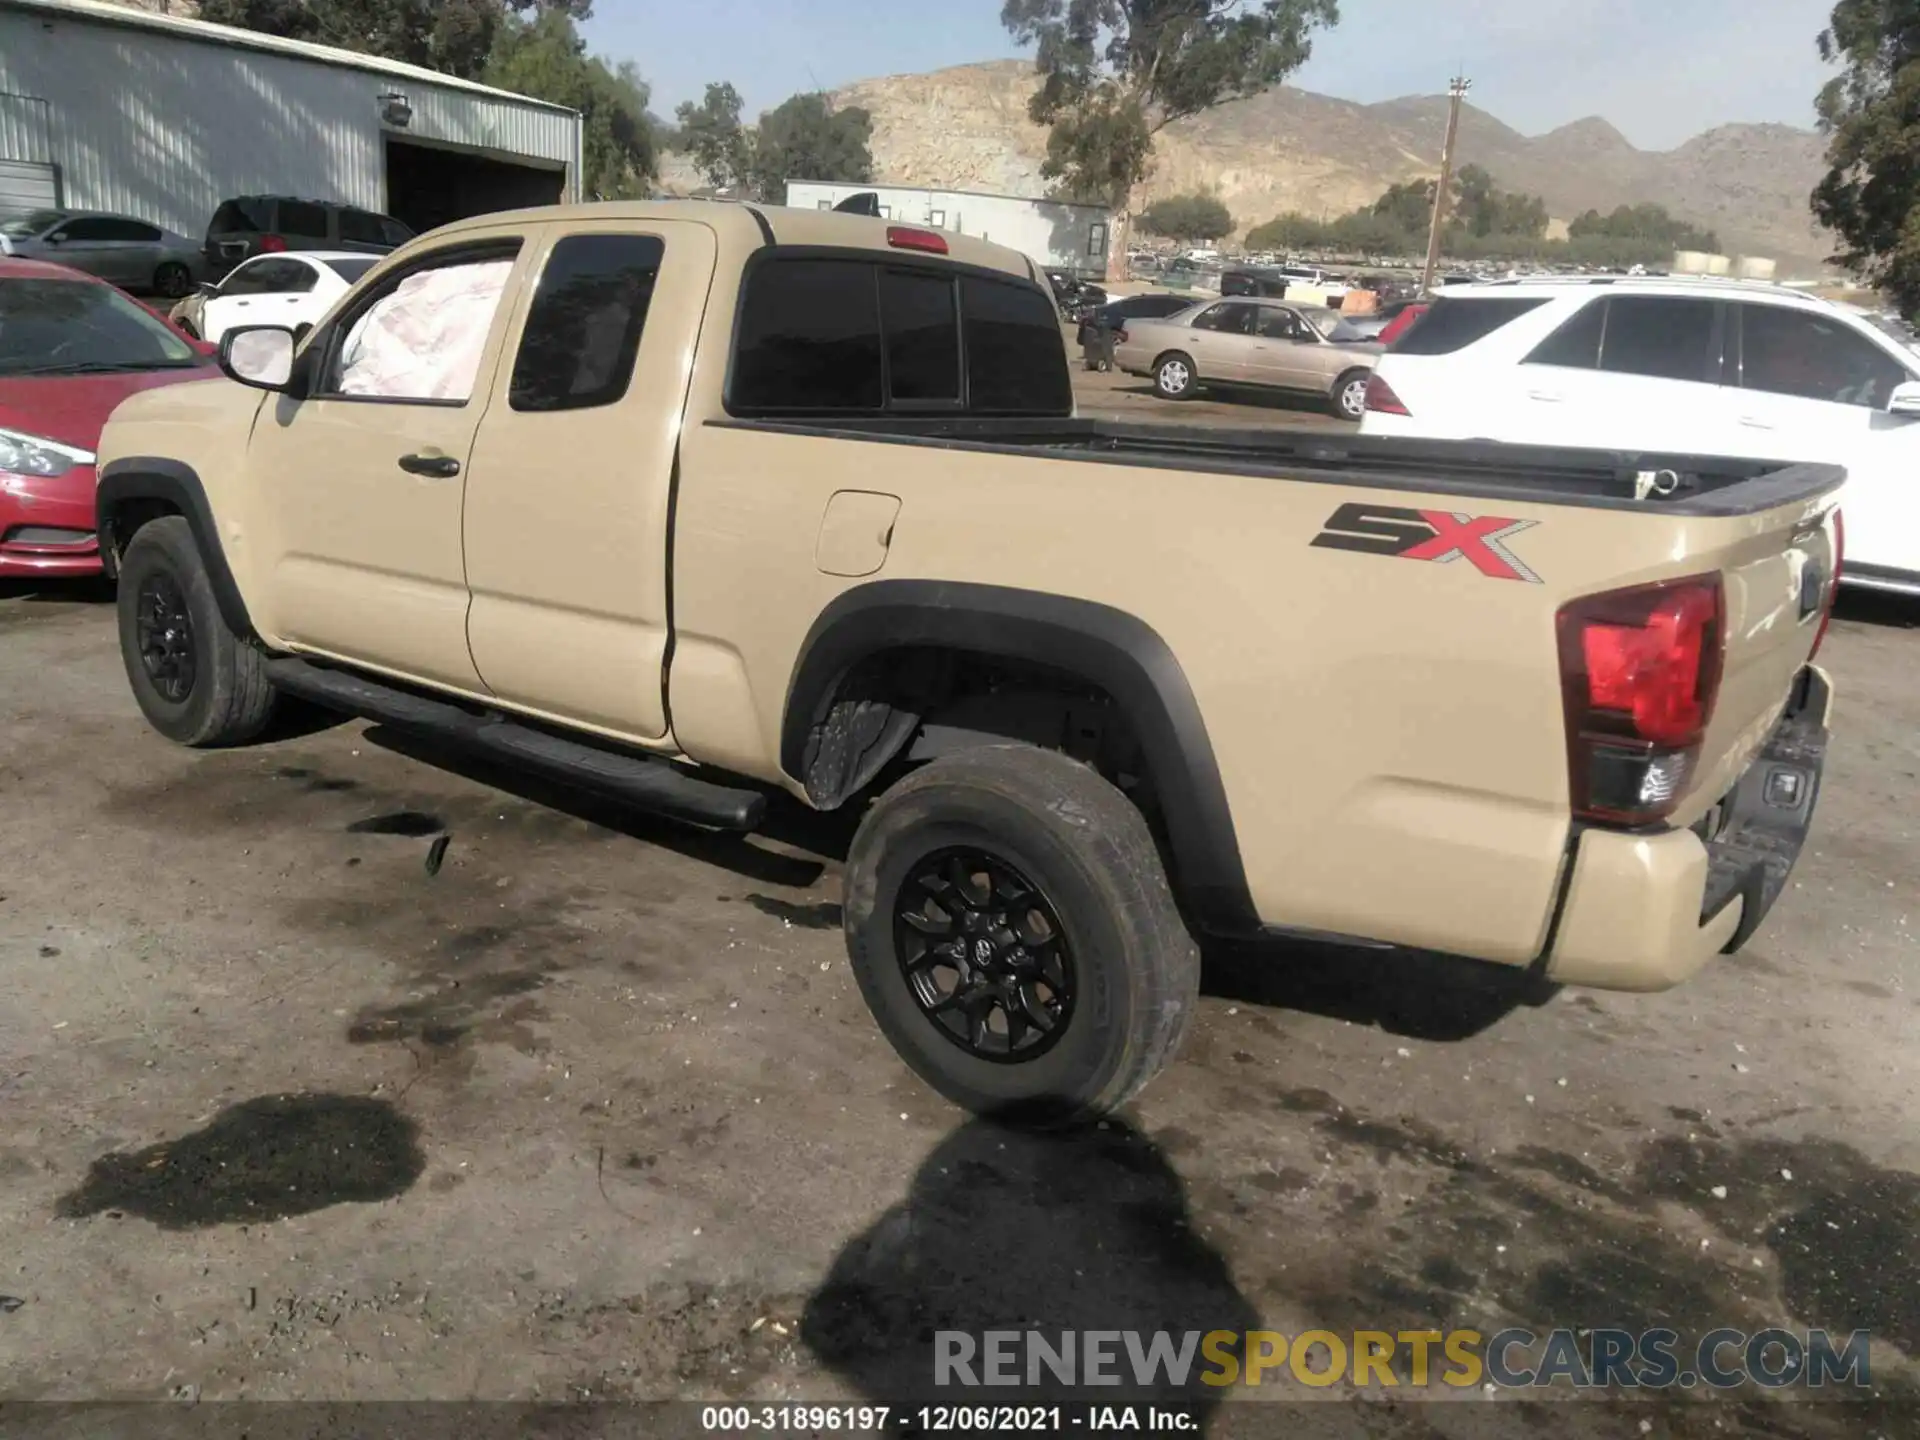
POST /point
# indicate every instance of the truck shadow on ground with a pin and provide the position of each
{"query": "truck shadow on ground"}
(1404, 992)
(1431, 997)
(822, 837)
(1004, 1229)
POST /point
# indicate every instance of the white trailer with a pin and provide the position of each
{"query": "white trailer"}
(1054, 234)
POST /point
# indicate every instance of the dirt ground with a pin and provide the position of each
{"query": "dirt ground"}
(594, 1109)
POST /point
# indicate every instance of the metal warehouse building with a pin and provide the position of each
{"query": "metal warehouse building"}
(1057, 236)
(108, 108)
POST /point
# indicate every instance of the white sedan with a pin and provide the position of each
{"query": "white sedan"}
(290, 288)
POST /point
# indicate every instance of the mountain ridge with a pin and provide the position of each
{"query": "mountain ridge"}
(966, 127)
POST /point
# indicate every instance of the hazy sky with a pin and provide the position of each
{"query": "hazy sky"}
(1661, 70)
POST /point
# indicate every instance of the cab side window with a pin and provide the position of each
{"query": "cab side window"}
(583, 330)
(1787, 351)
(420, 336)
(1280, 325)
(1228, 319)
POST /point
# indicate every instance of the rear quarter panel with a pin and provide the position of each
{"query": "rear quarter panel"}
(1389, 731)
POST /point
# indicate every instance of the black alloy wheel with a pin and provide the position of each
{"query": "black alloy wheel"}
(985, 956)
(165, 636)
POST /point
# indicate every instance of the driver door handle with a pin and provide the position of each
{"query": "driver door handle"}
(433, 466)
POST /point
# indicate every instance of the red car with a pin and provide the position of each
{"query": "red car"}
(71, 348)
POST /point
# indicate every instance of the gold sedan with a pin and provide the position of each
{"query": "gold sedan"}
(1254, 344)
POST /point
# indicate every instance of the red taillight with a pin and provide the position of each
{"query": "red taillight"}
(906, 237)
(1119, 337)
(1833, 586)
(1381, 399)
(1639, 670)
(272, 244)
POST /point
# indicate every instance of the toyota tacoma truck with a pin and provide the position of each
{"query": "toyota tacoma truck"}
(694, 503)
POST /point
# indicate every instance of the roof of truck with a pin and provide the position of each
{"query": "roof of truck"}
(750, 226)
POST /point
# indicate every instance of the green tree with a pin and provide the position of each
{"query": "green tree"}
(806, 138)
(1648, 223)
(1187, 217)
(1114, 73)
(454, 37)
(712, 134)
(1290, 231)
(546, 57)
(1870, 113)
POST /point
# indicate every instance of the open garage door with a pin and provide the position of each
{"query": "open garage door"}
(428, 185)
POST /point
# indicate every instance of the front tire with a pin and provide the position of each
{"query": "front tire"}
(1014, 935)
(196, 681)
(1349, 398)
(1174, 377)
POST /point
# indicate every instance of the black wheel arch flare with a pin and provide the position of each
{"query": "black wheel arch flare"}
(130, 485)
(1106, 647)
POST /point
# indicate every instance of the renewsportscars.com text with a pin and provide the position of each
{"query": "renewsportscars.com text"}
(1509, 1359)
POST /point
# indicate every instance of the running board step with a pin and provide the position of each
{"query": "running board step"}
(645, 783)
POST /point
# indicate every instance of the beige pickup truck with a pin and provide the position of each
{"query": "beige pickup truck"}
(692, 503)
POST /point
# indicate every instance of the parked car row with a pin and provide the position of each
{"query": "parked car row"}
(139, 256)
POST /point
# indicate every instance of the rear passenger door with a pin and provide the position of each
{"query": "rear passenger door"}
(570, 490)
(1638, 372)
(1223, 343)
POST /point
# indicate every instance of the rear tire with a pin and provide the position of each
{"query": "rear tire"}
(1048, 882)
(1348, 400)
(196, 681)
(173, 280)
(1174, 377)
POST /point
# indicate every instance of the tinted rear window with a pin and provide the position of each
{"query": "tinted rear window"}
(1658, 335)
(849, 335)
(923, 336)
(1453, 324)
(361, 227)
(808, 338)
(583, 332)
(249, 212)
(299, 217)
(1016, 359)
(1576, 344)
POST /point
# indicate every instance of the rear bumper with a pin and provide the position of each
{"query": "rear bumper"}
(1644, 912)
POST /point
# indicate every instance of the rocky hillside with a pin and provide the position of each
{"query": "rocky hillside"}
(1294, 150)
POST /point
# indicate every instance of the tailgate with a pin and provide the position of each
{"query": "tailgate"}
(1779, 571)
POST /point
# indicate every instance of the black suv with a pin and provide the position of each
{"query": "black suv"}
(250, 225)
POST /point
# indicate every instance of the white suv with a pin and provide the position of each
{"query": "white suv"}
(1685, 367)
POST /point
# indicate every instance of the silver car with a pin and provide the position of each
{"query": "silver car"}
(130, 253)
(1251, 343)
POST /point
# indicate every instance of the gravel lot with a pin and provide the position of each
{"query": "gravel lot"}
(595, 1108)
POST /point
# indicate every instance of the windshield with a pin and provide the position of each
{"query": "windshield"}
(25, 227)
(76, 327)
(351, 270)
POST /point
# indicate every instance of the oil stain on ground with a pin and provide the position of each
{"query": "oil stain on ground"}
(263, 1159)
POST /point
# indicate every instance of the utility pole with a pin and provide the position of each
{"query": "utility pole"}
(1457, 89)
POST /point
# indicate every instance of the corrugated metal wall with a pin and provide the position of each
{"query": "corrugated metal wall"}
(165, 128)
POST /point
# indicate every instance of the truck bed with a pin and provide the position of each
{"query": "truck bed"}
(1554, 475)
